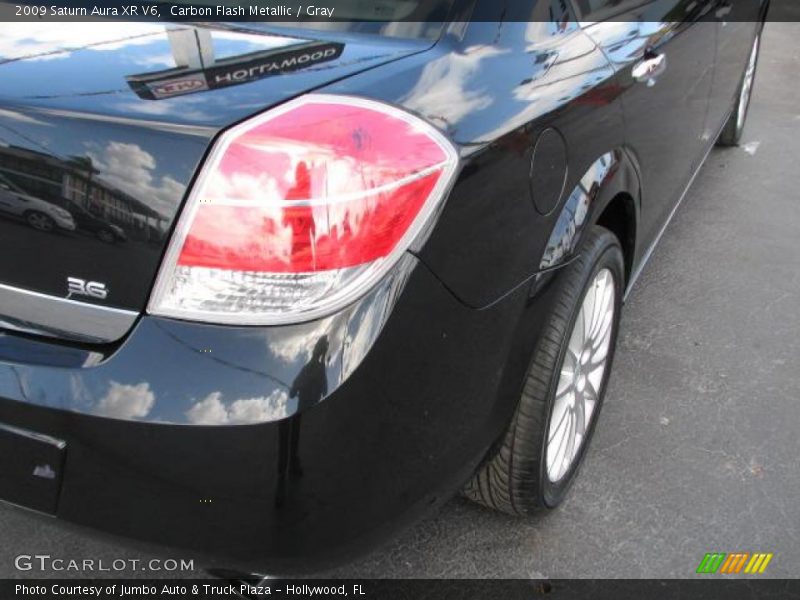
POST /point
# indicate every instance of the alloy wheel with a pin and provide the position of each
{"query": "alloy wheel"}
(581, 376)
(40, 222)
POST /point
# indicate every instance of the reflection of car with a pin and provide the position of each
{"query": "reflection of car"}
(388, 277)
(105, 231)
(36, 212)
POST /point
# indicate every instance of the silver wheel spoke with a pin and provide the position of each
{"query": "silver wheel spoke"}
(569, 451)
(580, 415)
(594, 379)
(605, 332)
(564, 445)
(589, 402)
(557, 455)
(600, 352)
(559, 420)
(564, 382)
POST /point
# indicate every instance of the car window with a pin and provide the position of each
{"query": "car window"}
(603, 10)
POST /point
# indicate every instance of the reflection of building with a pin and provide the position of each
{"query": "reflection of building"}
(198, 68)
(74, 181)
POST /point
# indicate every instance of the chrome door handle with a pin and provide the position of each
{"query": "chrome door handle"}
(650, 68)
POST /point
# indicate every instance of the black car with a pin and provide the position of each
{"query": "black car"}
(377, 263)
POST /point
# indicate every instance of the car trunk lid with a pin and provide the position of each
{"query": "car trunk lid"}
(102, 128)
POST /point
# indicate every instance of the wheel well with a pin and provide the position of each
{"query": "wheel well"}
(619, 217)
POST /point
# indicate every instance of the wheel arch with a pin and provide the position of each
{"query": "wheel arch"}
(607, 194)
(619, 217)
(35, 211)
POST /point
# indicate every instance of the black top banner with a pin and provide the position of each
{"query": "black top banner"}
(312, 11)
(321, 11)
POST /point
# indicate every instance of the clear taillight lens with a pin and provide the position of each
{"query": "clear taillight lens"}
(300, 210)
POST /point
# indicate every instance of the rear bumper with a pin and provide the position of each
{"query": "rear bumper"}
(158, 447)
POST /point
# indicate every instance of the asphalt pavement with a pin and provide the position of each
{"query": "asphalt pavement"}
(697, 449)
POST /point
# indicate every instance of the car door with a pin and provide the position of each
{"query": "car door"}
(664, 53)
(737, 25)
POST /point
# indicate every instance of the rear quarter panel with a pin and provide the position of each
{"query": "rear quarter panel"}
(493, 89)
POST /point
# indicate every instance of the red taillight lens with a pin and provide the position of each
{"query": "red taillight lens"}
(302, 209)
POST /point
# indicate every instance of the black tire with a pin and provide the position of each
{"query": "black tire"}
(39, 220)
(514, 477)
(731, 134)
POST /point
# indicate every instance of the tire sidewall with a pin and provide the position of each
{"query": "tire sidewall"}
(607, 255)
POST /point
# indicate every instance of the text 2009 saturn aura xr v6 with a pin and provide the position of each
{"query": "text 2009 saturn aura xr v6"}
(346, 270)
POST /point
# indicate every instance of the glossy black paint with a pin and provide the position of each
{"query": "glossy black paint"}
(420, 376)
(665, 122)
(81, 129)
(392, 440)
(169, 371)
(514, 81)
(31, 466)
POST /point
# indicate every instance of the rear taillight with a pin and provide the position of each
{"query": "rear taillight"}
(300, 210)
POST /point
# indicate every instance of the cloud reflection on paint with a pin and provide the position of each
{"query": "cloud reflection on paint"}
(212, 410)
(131, 169)
(124, 401)
(443, 92)
(42, 41)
